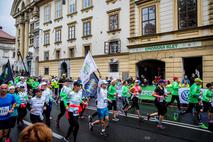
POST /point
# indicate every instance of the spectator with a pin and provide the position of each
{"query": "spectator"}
(38, 132)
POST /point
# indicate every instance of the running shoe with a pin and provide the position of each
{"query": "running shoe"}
(203, 126)
(115, 119)
(65, 139)
(90, 126)
(160, 126)
(103, 133)
(90, 118)
(7, 140)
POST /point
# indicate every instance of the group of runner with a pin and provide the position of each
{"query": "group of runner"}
(37, 97)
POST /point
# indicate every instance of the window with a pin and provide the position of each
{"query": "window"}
(113, 67)
(31, 27)
(47, 13)
(5, 54)
(113, 22)
(187, 13)
(72, 54)
(87, 3)
(149, 20)
(72, 6)
(46, 55)
(58, 54)
(86, 28)
(58, 9)
(46, 38)
(46, 71)
(14, 54)
(71, 32)
(86, 49)
(57, 35)
(112, 47)
(31, 41)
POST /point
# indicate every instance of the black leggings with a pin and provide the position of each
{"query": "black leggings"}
(135, 103)
(74, 126)
(21, 113)
(62, 110)
(35, 118)
(173, 99)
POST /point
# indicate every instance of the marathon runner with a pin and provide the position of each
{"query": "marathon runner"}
(207, 99)
(22, 110)
(160, 102)
(48, 97)
(125, 96)
(112, 96)
(63, 94)
(74, 99)
(135, 91)
(37, 107)
(7, 106)
(103, 114)
(193, 97)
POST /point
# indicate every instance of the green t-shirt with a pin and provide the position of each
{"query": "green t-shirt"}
(112, 92)
(175, 87)
(125, 91)
(207, 95)
(194, 93)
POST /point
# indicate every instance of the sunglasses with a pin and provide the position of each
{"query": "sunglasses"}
(3, 88)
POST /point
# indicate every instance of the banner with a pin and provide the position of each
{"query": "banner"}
(183, 95)
(90, 88)
(7, 74)
(88, 68)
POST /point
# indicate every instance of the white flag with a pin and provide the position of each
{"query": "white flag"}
(88, 68)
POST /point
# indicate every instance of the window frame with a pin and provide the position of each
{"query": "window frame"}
(88, 31)
(46, 72)
(72, 32)
(118, 22)
(47, 15)
(46, 38)
(58, 54)
(86, 6)
(75, 7)
(178, 16)
(58, 9)
(111, 70)
(46, 53)
(148, 20)
(58, 35)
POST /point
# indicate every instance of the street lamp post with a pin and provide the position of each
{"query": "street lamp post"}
(19, 54)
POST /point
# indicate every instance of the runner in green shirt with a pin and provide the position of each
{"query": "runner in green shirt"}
(194, 94)
(125, 95)
(175, 96)
(112, 95)
(207, 98)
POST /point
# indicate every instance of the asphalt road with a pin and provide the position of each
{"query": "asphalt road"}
(128, 129)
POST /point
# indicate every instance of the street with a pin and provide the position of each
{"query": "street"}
(128, 129)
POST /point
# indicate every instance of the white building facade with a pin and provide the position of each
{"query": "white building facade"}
(72, 28)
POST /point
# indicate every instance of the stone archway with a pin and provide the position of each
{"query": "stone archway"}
(64, 68)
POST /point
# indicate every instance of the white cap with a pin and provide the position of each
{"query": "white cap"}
(11, 87)
(43, 83)
(21, 77)
(104, 82)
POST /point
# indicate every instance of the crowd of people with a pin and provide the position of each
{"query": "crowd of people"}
(36, 95)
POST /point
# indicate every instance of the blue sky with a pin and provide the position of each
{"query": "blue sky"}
(6, 20)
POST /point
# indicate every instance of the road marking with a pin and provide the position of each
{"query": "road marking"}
(54, 134)
(180, 124)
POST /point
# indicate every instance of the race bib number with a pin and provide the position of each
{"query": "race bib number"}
(74, 111)
(4, 110)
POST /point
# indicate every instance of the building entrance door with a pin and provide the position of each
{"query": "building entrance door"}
(151, 69)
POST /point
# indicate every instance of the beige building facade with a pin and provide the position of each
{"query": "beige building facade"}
(167, 41)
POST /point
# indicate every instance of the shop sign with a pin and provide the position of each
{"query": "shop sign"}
(167, 47)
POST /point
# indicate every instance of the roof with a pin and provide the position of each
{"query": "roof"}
(5, 35)
(6, 38)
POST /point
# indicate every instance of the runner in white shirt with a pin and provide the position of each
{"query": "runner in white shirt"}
(102, 103)
(22, 83)
(74, 99)
(37, 107)
(47, 95)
